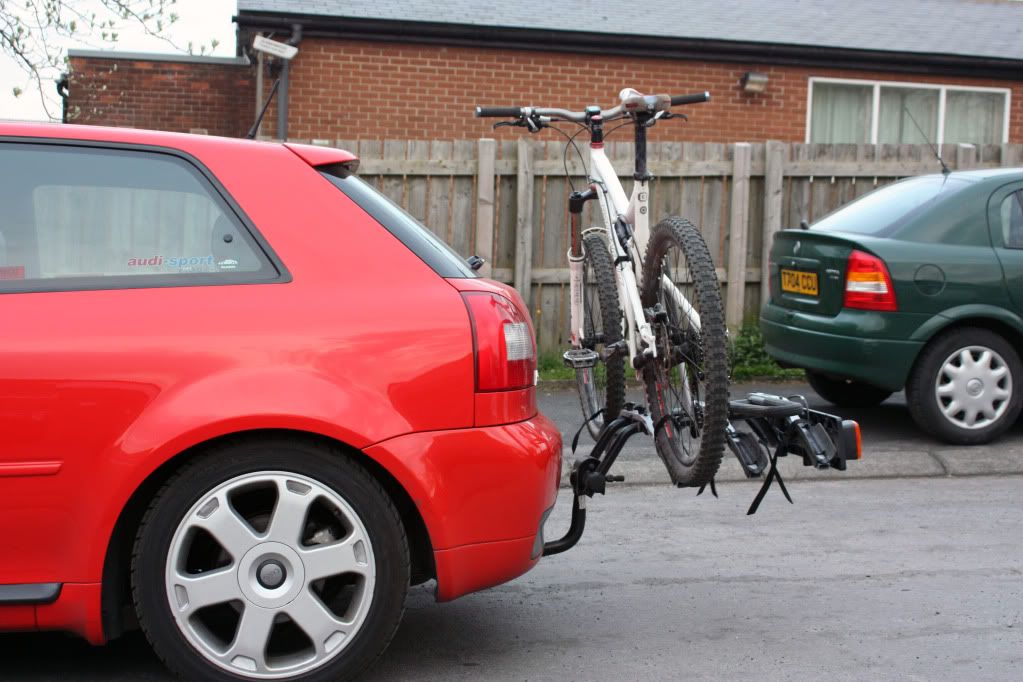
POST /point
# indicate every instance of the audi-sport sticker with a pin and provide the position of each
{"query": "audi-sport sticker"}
(180, 262)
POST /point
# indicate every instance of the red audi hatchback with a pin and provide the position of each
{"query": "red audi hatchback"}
(246, 401)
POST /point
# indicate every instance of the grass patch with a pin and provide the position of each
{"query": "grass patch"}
(749, 361)
(552, 368)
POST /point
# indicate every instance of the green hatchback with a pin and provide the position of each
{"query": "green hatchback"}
(917, 285)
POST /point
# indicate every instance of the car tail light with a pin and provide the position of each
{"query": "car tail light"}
(504, 343)
(868, 286)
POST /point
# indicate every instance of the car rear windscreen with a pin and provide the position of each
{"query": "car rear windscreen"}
(881, 212)
(413, 234)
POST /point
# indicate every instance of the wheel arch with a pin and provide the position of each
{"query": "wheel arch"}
(117, 612)
(1004, 322)
(995, 320)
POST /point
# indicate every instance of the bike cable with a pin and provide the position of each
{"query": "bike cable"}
(564, 156)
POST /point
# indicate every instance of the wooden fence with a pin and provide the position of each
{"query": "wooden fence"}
(507, 200)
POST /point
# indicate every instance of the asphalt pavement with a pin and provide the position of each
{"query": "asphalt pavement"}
(900, 579)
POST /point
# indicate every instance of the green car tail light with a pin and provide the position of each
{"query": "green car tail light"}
(868, 285)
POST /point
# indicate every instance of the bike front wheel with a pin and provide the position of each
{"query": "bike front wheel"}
(687, 382)
(601, 387)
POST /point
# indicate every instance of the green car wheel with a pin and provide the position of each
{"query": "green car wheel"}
(965, 388)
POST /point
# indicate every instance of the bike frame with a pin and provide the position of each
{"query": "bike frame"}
(625, 248)
(634, 210)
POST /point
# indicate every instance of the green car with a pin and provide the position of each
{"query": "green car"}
(917, 285)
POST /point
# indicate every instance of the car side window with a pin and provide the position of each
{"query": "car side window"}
(97, 218)
(1012, 220)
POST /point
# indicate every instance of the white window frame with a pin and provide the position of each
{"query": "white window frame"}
(876, 102)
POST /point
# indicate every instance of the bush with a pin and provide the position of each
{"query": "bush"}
(749, 360)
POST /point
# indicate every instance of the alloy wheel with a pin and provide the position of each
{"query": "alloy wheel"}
(270, 574)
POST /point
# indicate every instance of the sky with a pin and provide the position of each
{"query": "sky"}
(200, 22)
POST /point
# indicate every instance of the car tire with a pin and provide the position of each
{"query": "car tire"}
(974, 370)
(306, 576)
(846, 392)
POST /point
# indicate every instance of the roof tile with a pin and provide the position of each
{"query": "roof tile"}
(981, 28)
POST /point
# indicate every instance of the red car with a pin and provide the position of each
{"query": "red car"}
(246, 401)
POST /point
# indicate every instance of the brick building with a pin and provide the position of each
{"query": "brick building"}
(865, 71)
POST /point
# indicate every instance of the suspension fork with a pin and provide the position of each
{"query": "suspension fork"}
(576, 200)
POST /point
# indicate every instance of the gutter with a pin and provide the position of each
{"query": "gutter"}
(578, 42)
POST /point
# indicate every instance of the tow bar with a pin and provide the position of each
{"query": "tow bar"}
(779, 426)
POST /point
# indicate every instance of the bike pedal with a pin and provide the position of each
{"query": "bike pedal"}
(611, 478)
(580, 358)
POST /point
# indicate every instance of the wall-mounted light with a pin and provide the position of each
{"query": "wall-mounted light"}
(753, 81)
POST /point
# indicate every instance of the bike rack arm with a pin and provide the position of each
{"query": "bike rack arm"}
(575, 530)
(590, 474)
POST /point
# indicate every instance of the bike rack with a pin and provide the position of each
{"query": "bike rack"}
(782, 425)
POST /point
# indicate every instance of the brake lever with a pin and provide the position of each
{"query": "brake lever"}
(668, 114)
(533, 124)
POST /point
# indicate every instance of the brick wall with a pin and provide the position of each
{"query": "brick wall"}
(177, 96)
(345, 90)
(367, 90)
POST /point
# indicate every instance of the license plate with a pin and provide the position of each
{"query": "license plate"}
(799, 282)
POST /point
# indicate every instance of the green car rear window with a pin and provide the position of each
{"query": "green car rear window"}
(881, 212)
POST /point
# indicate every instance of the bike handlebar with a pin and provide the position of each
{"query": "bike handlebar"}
(498, 112)
(696, 98)
(577, 116)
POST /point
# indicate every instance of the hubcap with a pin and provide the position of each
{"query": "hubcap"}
(973, 387)
(270, 575)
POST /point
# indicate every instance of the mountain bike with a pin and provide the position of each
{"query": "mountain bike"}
(647, 296)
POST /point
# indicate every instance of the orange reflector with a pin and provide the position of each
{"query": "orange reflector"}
(859, 441)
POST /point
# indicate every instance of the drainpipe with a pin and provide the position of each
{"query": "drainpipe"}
(64, 92)
(282, 96)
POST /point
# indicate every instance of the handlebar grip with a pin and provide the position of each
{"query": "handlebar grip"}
(498, 112)
(690, 99)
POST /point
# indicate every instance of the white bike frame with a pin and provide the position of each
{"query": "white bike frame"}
(635, 211)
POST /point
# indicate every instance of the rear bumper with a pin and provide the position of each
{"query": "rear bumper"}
(880, 362)
(483, 494)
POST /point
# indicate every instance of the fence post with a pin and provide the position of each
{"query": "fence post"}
(1009, 155)
(524, 220)
(738, 236)
(966, 156)
(773, 188)
(486, 155)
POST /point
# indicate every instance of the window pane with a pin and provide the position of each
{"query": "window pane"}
(841, 113)
(886, 208)
(434, 251)
(1012, 220)
(78, 213)
(899, 108)
(974, 117)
